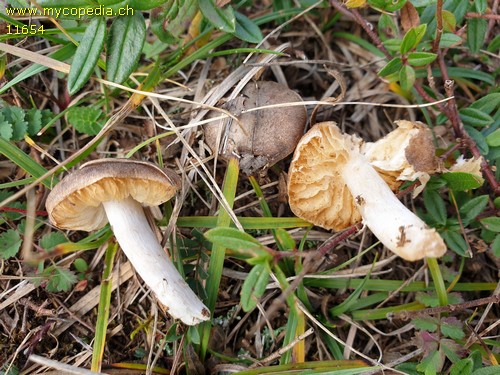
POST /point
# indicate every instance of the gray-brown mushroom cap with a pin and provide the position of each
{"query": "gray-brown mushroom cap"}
(262, 137)
(76, 202)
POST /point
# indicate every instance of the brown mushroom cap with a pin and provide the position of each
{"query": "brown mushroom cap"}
(75, 202)
(316, 189)
(263, 137)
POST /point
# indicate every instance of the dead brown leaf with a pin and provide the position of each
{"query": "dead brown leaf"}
(409, 17)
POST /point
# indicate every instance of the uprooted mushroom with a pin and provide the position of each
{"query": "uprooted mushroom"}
(114, 191)
(332, 184)
(262, 137)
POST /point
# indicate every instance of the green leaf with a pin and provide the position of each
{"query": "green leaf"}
(480, 6)
(477, 359)
(51, 240)
(239, 242)
(430, 364)
(449, 21)
(409, 41)
(386, 26)
(474, 207)
(461, 181)
(145, 4)
(488, 103)
(491, 223)
(494, 44)
(412, 38)
(61, 280)
(126, 38)
(496, 202)
(476, 31)
(16, 117)
(222, 19)
(495, 245)
(455, 242)
(246, 29)
(34, 118)
(81, 265)
(475, 117)
(172, 19)
(87, 54)
(490, 370)
(435, 206)
(10, 243)
(391, 67)
(284, 238)
(449, 348)
(63, 3)
(426, 324)
(389, 6)
(392, 45)
(479, 138)
(406, 77)
(452, 328)
(462, 367)
(421, 58)
(449, 40)
(86, 120)
(254, 286)
(193, 335)
(6, 131)
(493, 139)
(428, 299)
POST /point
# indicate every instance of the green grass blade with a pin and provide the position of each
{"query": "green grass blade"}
(103, 309)
(382, 313)
(349, 301)
(437, 277)
(342, 367)
(23, 161)
(246, 222)
(218, 252)
(392, 285)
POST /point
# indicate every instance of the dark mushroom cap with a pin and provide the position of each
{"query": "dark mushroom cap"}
(263, 137)
(75, 202)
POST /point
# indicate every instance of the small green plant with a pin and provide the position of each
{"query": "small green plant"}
(16, 122)
(412, 56)
(86, 120)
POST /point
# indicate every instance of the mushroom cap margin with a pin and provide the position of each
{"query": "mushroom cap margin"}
(75, 202)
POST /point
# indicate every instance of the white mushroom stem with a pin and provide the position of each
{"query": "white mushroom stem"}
(138, 242)
(399, 229)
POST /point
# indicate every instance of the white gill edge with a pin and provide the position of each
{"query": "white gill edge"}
(138, 242)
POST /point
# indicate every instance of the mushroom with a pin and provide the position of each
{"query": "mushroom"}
(114, 191)
(405, 154)
(263, 137)
(333, 185)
